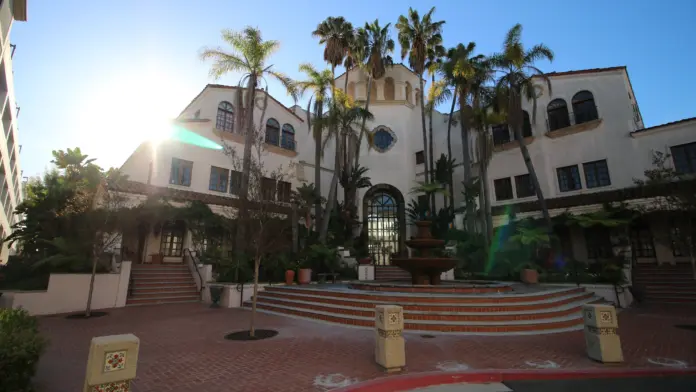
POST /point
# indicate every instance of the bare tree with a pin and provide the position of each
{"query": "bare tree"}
(268, 220)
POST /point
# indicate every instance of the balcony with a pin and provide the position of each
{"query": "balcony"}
(560, 122)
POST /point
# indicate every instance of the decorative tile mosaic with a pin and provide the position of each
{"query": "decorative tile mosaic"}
(393, 318)
(605, 317)
(588, 314)
(119, 386)
(115, 360)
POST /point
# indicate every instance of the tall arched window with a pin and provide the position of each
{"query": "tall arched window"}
(272, 131)
(409, 93)
(584, 107)
(526, 124)
(373, 91)
(389, 89)
(288, 139)
(351, 90)
(558, 114)
(225, 117)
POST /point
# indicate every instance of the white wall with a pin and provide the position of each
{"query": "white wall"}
(68, 293)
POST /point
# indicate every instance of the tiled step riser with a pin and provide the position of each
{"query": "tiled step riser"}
(159, 284)
(152, 280)
(149, 301)
(426, 299)
(425, 307)
(422, 316)
(428, 327)
(161, 289)
(163, 293)
(433, 289)
(164, 275)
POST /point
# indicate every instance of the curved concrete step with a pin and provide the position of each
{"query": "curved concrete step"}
(561, 323)
(408, 304)
(162, 300)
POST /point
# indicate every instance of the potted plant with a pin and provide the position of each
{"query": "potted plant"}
(215, 295)
(304, 275)
(365, 260)
(289, 273)
(529, 273)
(157, 258)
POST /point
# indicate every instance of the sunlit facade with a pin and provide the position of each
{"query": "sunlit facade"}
(11, 182)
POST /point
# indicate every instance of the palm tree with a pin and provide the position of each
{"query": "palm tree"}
(374, 45)
(517, 70)
(436, 54)
(319, 83)
(249, 55)
(440, 92)
(336, 34)
(418, 39)
(340, 122)
(461, 67)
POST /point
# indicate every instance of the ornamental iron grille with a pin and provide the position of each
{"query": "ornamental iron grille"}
(382, 228)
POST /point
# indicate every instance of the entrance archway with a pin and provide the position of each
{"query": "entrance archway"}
(384, 219)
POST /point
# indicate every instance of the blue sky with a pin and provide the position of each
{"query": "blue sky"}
(101, 74)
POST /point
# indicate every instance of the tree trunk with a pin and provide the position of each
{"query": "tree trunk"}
(295, 231)
(252, 328)
(246, 166)
(515, 121)
(318, 112)
(466, 159)
(88, 310)
(333, 193)
(425, 133)
(487, 203)
(449, 151)
(362, 127)
(430, 146)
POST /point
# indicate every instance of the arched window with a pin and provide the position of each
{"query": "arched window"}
(526, 124)
(409, 93)
(351, 90)
(389, 89)
(225, 117)
(584, 107)
(373, 91)
(288, 139)
(384, 221)
(558, 114)
(272, 131)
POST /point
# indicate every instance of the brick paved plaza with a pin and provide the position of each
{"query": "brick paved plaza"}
(182, 349)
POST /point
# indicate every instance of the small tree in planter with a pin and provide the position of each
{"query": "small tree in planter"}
(267, 220)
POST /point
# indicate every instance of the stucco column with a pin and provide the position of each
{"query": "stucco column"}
(390, 348)
(361, 90)
(111, 363)
(601, 337)
(400, 91)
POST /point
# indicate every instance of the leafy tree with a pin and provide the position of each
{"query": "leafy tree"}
(517, 73)
(677, 202)
(249, 55)
(352, 179)
(420, 39)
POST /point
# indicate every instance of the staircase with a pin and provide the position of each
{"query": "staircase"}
(555, 310)
(666, 283)
(161, 283)
(386, 273)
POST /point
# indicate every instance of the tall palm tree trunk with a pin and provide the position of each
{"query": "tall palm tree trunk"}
(449, 151)
(252, 319)
(318, 108)
(516, 117)
(364, 121)
(246, 165)
(425, 133)
(333, 190)
(466, 159)
(430, 147)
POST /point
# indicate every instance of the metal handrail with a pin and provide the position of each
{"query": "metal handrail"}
(194, 265)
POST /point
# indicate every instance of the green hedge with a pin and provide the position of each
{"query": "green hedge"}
(21, 346)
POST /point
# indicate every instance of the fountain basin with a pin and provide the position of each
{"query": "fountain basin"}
(425, 270)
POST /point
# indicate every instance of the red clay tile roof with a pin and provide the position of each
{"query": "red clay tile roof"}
(232, 88)
(664, 125)
(183, 195)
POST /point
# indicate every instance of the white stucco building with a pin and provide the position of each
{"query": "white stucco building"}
(588, 137)
(10, 169)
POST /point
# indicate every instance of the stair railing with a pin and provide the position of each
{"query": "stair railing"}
(192, 262)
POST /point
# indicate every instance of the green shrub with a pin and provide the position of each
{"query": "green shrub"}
(21, 346)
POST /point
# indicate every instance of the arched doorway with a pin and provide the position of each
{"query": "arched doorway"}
(384, 222)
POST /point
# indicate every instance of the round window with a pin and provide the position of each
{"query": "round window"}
(383, 139)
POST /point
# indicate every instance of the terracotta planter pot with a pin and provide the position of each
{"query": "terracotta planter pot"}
(289, 277)
(529, 276)
(305, 276)
(365, 260)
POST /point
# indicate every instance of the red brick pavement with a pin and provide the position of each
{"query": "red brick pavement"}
(182, 349)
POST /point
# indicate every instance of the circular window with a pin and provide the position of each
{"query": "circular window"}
(383, 139)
